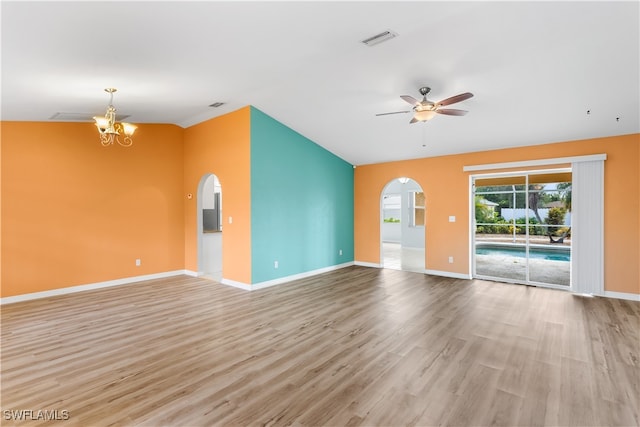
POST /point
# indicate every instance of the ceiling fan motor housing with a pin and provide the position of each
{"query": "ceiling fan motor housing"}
(425, 104)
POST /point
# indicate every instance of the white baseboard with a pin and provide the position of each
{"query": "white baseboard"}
(367, 264)
(236, 284)
(280, 280)
(621, 295)
(91, 286)
(448, 274)
(431, 272)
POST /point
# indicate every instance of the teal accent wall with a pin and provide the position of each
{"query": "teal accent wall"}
(301, 203)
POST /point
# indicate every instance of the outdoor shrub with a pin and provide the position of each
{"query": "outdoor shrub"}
(556, 216)
(564, 231)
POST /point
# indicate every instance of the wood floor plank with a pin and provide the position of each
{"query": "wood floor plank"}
(357, 346)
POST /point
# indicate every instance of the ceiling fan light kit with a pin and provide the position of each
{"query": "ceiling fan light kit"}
(425, 110)
(423, 116)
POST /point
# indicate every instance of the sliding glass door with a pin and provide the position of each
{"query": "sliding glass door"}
(500, 243)
(522, 230)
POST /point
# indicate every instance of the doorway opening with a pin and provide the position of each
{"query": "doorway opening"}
(522, 227)
(209, 207)
(402, 226)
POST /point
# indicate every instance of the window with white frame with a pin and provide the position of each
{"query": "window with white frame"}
(391, 208)
(416, 207)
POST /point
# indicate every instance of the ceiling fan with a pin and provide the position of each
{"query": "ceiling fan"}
(425, 110)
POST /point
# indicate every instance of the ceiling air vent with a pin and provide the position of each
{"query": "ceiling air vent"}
(80, 117)
(379, 38)
(217, 104)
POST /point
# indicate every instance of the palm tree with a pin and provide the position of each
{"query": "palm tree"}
(565, 194)
(536, 193)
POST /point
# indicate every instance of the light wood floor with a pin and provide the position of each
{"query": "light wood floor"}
(358, 346)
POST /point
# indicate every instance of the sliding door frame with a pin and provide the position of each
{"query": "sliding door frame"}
(524, 174)
(596, 287)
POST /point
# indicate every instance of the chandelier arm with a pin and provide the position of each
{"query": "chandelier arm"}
(126, 142)
(105, 140)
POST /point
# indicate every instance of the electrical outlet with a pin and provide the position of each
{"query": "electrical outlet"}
(275, 264)
(450, 260)
(138, 262)
(230, 220)
(340, 252)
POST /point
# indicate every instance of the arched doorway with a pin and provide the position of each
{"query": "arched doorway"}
(402, 226)
(209, 206)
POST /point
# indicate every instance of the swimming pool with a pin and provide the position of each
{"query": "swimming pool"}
(552, 254)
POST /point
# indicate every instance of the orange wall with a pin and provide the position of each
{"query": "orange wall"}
(74, 212)
(446, 189)
(221, 146)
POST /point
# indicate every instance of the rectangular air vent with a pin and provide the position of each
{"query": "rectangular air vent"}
(217, 104)
(379, 38)
(81, 117)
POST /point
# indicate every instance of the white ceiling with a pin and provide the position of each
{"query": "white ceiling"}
(535, 68)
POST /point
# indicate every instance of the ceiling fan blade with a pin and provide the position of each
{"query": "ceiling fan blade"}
(454, 99)
(414, 120)
(394, 112)
(410, 99)
(451, 112)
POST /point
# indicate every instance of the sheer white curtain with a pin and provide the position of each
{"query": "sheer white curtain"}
(587, 227)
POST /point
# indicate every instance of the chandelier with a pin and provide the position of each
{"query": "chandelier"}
(110, 130)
